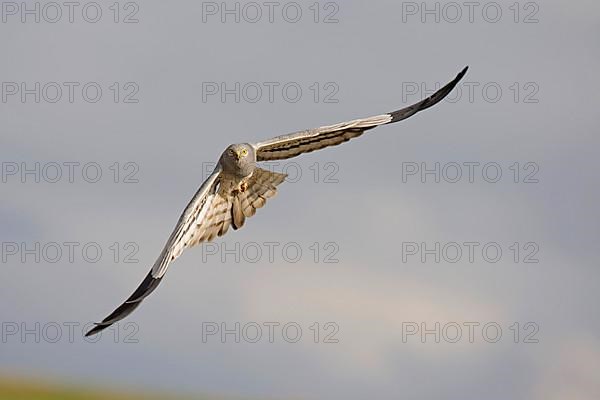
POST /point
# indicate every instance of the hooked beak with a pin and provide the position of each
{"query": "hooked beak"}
(238, 155)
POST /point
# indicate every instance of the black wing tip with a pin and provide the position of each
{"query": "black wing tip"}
(452, 84)
(146, 287)
(96, 329)
(435, 98)
(448, 88)
(121, 312)
(461, 74)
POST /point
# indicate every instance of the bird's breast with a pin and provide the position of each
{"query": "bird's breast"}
(234, 183)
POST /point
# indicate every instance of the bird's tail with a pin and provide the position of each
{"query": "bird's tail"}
(261, 186)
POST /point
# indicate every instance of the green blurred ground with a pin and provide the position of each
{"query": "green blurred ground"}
(25, 389)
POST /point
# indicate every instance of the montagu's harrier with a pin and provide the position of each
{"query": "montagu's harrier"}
(237, 187)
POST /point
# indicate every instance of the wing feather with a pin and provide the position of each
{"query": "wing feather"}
(209, 214)
(183, 236)
(292, 145)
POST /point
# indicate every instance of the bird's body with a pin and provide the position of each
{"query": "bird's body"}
(238, 187)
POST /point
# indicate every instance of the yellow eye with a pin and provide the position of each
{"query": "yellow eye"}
(244, 152)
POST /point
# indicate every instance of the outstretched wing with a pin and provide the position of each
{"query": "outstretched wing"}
(210, 213)
(294, 144)
(204, 210)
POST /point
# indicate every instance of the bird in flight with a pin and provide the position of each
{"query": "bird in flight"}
(237, 187)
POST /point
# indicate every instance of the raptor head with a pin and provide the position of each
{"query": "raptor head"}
(239, 159)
